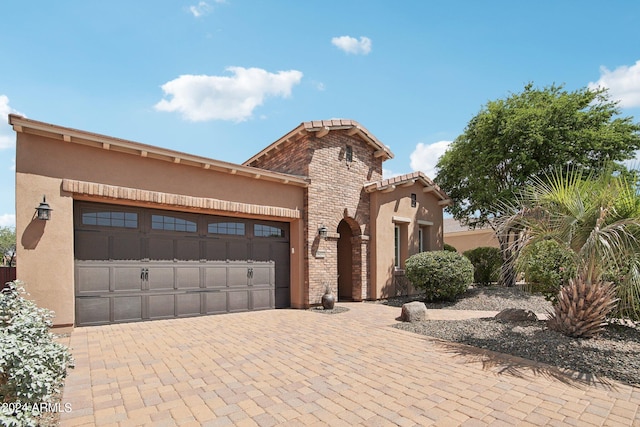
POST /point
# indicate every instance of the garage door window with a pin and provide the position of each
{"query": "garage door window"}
(261, 230)
(232, 228)
(111, 219)
(170, 223)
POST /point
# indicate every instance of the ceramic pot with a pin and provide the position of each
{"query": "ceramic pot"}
(328, 300)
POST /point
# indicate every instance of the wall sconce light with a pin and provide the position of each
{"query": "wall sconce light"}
(322, 231)
(44, 210)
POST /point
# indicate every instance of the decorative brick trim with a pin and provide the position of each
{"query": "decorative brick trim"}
(157, 197)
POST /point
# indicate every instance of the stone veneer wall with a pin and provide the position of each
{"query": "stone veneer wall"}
(335, 192)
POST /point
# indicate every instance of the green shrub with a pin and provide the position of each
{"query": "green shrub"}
(547, 266)
(442, 275)
(627, 291)
(486, 264)
(32, 364)
(448, 247)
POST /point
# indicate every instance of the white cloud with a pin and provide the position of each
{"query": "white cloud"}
(633, 163)
(623, 84)
(201, 98)
(425, 157)
(353, 45)
(7, 137)
(7, 220)
(203, 8)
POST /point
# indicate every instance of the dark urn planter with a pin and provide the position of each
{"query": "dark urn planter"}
(328, 300)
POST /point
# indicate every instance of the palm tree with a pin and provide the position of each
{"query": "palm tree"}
(598, 218)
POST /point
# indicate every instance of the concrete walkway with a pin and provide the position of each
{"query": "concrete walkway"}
(294, 367)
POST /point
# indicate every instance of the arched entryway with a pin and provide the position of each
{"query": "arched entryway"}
(345, 262)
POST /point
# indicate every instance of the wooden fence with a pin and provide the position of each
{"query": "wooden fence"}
(7, 274)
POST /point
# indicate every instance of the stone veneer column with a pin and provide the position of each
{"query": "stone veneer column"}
(360, 245)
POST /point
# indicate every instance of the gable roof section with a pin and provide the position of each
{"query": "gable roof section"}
(22, 124)
(322, 128)
(389, 185)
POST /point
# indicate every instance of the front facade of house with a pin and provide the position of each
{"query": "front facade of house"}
(138, 232)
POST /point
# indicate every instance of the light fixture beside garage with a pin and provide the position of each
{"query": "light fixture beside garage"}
(322, 231)
(43, 211)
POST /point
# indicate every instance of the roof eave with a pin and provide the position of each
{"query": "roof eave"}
(23, 125)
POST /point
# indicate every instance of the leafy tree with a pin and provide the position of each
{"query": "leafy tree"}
(7, 245)
(512, 140)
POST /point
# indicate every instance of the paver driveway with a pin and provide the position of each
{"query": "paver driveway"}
(298, 367)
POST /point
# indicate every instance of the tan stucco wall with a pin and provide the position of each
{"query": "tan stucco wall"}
(386, 206)
(56, 158)
(45, 249)
(465, 240)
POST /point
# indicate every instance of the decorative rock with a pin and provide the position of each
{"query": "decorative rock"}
(414, 311)
(516, 315)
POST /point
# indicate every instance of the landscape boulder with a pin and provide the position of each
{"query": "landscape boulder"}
(414, 311)
(516, 315)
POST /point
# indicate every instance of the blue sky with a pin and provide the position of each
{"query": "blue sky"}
(223, 79)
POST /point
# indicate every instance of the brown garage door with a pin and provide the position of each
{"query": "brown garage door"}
(136, 264)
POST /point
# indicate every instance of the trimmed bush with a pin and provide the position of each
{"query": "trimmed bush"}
(442, 275)
(448, 247)
(32, 364)
(486, 264)
(547, 266)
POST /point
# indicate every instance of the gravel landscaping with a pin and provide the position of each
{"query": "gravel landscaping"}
(614, 354)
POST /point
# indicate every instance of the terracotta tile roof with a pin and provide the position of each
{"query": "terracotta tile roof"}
(322, 127)
(390, 184)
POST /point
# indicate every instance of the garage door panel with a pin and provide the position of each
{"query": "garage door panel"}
(215, 277)
(237, 276)
(161, 278)
(127, 309)
(132, 270)
(93, 311)
(262, 275)
(187, 277)
(238, 250)
(187, 249)
(188, 304)
(126, 247)
(215, 302)
(161, 306)
(216, 249)
(280, 254)
(261, 299)
(261, 251)
(161, 248)
(91, 245)
(238, 301)
(127, 278)
(92, 279)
